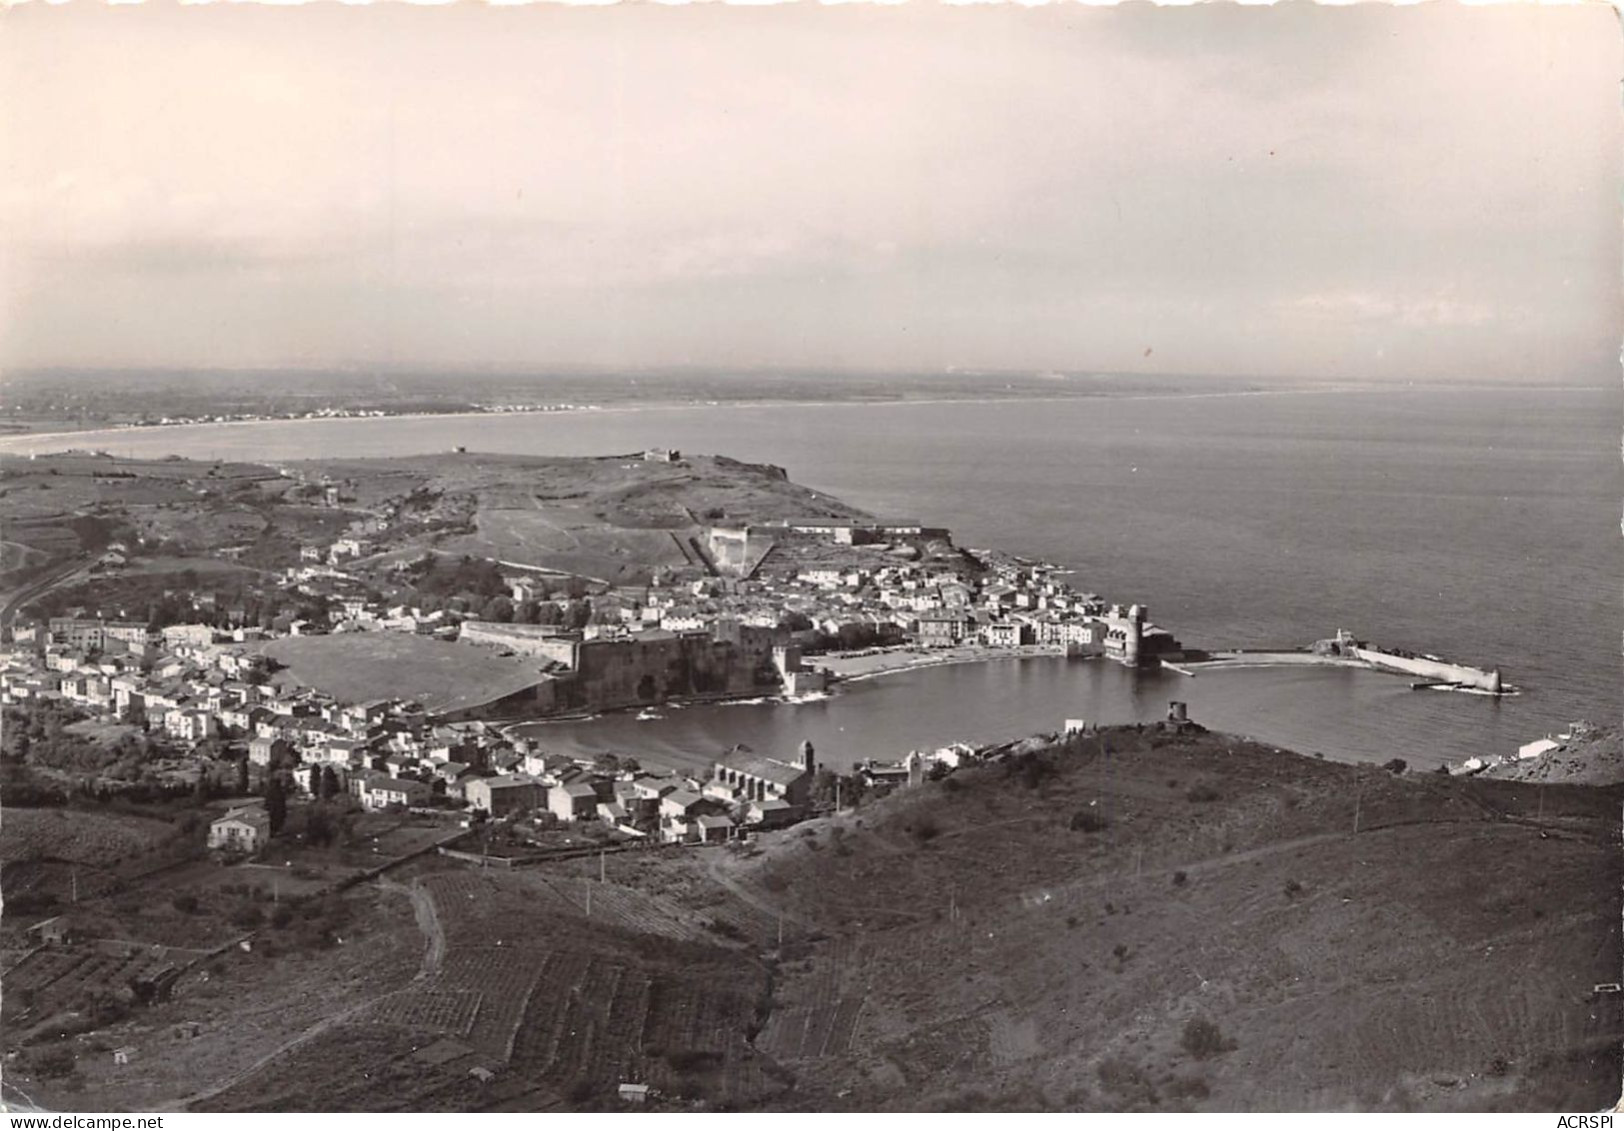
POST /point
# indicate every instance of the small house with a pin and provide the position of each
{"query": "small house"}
(244, 829)
(714, 830)
(507, 793)
(51, 931)
(264, 749)
(573, 801)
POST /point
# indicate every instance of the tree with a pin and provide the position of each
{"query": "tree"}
(525, 612)
(548, 612)
(200, 792)
(578, 614)
(329, 783)
(498, 609)
(242, 776)
(276, 802)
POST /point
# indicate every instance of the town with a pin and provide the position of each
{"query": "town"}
(399, 679)
(240, 726)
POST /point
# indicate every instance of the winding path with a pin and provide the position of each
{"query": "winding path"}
(428, 921)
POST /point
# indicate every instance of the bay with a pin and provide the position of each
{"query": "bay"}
(1480, 525)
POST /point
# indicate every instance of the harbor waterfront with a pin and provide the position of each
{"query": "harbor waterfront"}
(1474, 524)
(1346, 713)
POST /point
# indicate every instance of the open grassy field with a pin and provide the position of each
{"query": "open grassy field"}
(1203, 924)
(358, 666)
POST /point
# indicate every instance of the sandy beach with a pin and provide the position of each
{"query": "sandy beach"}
(1268, 660)
(871, 664)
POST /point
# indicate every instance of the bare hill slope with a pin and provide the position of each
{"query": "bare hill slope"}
(1193, 922)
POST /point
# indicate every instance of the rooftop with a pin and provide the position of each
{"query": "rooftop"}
(759, 766)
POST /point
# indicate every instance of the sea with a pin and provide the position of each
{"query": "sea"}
(1477, 524)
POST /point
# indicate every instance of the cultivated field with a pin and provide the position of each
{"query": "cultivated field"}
(76, 836)
(228, 1015)
(517, 980)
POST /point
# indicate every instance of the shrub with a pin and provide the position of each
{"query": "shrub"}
(1203, 793)
(184, 902)
(248, 917)
(282, 916)
(925, 829)
(1188, 1088)
(1293, 889)
(1126, 1081)
(725, 929)
(1180, 879)
(1202, 1038)
(55, 1062)
(1032, 769)
(1396, 766)
(1088, 821)
(693, 1060)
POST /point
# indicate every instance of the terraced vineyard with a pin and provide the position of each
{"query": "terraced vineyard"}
(617, 1003)
(55, 978)
(79, 837)
(637, 911)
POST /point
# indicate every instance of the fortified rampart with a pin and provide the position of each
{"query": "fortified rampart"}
(542, 641)
(1438, 670)
(738, 550)
(644, 667)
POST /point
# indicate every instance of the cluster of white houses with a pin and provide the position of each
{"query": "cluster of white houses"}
(741, 790)
(934, 605)
(194, 686)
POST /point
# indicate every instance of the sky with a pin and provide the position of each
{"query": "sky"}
(1404, 193)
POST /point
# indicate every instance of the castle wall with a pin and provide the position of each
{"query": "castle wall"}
(559, 649)
(737, 660)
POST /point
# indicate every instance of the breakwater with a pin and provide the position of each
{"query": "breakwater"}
(1440, 671)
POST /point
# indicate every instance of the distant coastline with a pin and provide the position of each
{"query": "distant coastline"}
(23, 442)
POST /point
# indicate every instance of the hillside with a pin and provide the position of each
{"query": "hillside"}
(230, 527)
(613, 518)
(1595, 758)
(1138, 920)
(1193, 923)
